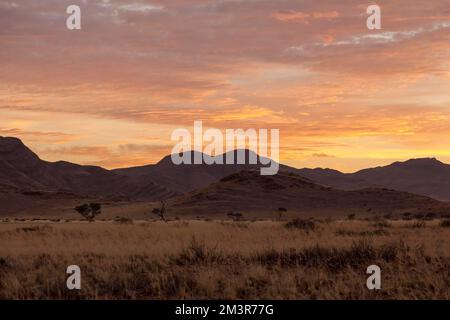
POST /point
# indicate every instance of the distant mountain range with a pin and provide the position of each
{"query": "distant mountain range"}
(187, 177)
(24, 171)
(426, 176)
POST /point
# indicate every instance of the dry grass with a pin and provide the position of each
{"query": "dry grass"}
(233, 260)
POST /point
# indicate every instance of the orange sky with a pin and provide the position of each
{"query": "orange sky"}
(342, 96)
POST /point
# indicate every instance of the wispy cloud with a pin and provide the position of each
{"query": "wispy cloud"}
(139, 7)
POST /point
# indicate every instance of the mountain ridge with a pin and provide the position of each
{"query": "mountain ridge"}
(20, 167)
(23, 169)
(425, 176)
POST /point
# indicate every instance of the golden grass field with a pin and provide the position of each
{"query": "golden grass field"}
(225, 259)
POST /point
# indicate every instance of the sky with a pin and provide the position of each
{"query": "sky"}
(342, 96)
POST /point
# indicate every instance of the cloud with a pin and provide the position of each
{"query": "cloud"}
(49, 137)
(310, 68)
(322, 155)
(111, 156)
(303, 17)
(140, 7)
(376, 38)
(80, 151)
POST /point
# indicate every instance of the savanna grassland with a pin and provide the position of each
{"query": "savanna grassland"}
(304, 259)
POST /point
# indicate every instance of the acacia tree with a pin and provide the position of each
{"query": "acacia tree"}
(281, 211)
(89, 211)
(236, 216)
(160, 212)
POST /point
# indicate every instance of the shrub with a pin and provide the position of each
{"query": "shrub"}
(198, 253)
(123, 220)
(281, 211)
(302, 224)
(444, 224)
(381, 224)
(37, 229)
(419, 216)
(407, 216)
(430, 216)
(418, 224)
(369, 233)
(236, 216)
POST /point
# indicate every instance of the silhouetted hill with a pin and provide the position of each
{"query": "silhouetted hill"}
(427, 176)
(248, 191)
(187, 177)
(24, 170)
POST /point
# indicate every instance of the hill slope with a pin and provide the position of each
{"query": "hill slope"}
(249, 192)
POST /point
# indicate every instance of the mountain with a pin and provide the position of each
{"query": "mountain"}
(426, 176)
(24, 170)
(188, 177)
(249, 192)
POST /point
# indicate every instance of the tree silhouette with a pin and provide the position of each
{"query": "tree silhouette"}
(160, 212)
(236, 216)
(89, 211)
(281, 211)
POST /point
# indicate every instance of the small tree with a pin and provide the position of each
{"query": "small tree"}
(281, 211)
(89, 211)
(160, 212)
(236, 216)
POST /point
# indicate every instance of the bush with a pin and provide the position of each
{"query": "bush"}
(198, 253)
(419, 216)
(236, 216)
(123, 220)
(302, 224)
(381, 224)
(430, 216)
(418, 224)
(407, 216)
(281, 211)
(444, 224)
(38, 229)
(369, 233)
